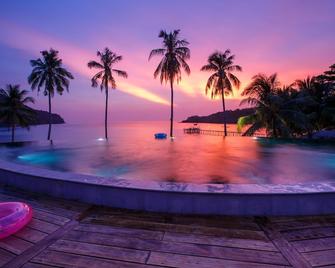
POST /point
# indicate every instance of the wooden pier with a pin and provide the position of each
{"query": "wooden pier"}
(196, 130)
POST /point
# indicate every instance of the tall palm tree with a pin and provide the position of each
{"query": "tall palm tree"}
(13, 109)
(48, 73)
(175, 53)
(107, 59)
(221, 82)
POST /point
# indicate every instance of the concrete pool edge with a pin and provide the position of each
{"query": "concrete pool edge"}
(228, 199)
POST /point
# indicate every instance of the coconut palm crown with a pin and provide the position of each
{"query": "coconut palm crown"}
(49, 75)
(104, 76)
(277, 108)
(222, 80)
(13, 109)
(174, 53)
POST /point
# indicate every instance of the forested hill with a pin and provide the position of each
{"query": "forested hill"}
(42, 117)
(231, 116)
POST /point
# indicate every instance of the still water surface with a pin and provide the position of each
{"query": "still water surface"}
(133, 153)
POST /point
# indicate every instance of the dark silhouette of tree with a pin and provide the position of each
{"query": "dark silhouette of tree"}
(48, 73)
(13, 109)
(107, 59)
(175, 53)
(221, 82)
(277, 108)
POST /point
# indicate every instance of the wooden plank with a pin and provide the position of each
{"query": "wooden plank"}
(300, 218)
(43, 226)
(14, 244)
(209, 221)
(305, 224)
(288, 251)
(220, 241)
(182, 261)
(93, 250)
(36, 265)
(155, 226)
(51, 218)
(173, 247)
(40, 246)
(5, 257)
(31, 235)
(320, 258)
(64, 259)
(315, 244)
(156, 235)
(244, 223)
(296, 235)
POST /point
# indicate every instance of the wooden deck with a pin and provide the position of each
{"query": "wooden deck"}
(69, 234)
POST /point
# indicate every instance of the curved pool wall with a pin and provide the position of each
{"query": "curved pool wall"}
(185, 198)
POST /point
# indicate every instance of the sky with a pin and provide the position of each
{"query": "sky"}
(294, 38)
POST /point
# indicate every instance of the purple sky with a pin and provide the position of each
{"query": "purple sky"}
(291, 37)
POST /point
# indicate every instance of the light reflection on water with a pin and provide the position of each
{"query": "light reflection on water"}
(133, 153)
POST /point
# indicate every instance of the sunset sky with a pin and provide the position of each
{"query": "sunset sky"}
(291, 37)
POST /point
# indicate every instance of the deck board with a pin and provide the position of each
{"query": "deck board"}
(15, 245)
(94, 250)
(68, 234)
(61, 259)
(31, 235)
(131, 232)
(178, 228)
(220, 241)
(174, 260)
(315, 244)
(312, 233)
(176, 247)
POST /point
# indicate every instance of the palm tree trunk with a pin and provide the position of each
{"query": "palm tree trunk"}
(171, 115)
(50, 116)
(13, 132)
(224, 114)
(106, 114)
(274, 130)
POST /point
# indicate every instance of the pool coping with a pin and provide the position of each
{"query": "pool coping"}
(298, 188)
(173, 197)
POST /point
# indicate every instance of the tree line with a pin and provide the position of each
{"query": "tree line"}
(283, 111)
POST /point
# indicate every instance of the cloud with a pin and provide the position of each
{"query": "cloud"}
(76, 58)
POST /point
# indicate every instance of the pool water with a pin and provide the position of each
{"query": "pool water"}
(133, 153)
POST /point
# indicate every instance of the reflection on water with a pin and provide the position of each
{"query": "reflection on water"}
(133, 153)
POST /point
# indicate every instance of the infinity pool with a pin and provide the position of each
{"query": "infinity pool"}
(132, 153)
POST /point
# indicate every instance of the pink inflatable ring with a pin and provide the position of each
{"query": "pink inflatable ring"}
(13, 216)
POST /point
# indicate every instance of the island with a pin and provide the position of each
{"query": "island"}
(231, 116)
(42, 118)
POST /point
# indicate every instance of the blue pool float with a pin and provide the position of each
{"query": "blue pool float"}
(160, 136)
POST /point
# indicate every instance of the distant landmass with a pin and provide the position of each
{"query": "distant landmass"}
(42, 118)
(231, 116)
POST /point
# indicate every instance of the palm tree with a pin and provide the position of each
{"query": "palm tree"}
(48, 72)
(13, 109)
(277, 109)
(320, 109)
(175, 53)
(107, 59)
(221, 82)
